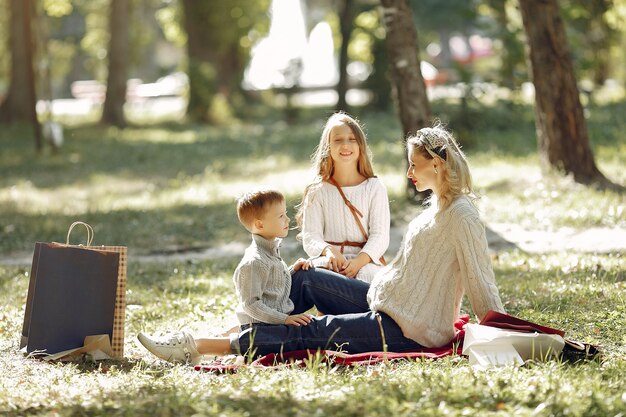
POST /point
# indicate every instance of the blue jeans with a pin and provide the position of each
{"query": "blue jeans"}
(348, 325)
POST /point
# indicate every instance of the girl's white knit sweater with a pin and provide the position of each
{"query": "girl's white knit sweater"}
(441, 257)
(327, 218)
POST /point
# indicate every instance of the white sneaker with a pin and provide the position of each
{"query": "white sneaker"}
(174, 347)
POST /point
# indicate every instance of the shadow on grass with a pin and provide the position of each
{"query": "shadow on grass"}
(168, 151)
(165, 152)
(173, 400)
(143, 231)
(155, 154)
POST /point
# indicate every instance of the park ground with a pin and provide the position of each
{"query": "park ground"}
(166, 191)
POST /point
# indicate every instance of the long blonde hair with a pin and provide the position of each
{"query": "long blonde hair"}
(456, 179)
(323, 164)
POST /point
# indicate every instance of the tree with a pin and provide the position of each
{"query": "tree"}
(561, 128)
(346, 24)
(592, 37)
(218, 49)
(403, 53)
(113, 110)
(370, 33)
(20, 104)
(445, 17)
(511, 53)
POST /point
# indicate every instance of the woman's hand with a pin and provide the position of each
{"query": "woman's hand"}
(336, 260)
(353, 266)
(298, 319)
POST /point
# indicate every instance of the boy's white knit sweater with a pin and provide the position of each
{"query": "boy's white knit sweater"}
(262, 284)
(327, 218)
(441, 258)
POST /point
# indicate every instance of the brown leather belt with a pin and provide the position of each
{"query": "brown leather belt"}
(347, 243)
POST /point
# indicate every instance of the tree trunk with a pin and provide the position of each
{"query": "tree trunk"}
(216, 55)
(512, 50)
(21, 100)
(561, 128)
(201, 71)
(406, 77)
(346, 24)
(113, 111)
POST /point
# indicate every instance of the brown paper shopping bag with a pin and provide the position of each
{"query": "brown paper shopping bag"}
(98, 346)
(75, 291)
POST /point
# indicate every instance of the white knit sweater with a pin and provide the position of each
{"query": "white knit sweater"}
(327, 218)
(262, 284)
(441, 258)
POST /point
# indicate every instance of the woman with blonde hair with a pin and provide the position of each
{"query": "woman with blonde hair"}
(438, 146)
(344, 214)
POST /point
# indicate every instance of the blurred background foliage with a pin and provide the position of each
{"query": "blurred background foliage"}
(72, 38)
(209, 117)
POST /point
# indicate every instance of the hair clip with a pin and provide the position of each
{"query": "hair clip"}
(432, 140)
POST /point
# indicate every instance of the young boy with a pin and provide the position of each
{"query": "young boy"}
(262, 279)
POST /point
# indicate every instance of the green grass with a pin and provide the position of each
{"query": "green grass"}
(570, 293)
(168, 186)
(172, 186)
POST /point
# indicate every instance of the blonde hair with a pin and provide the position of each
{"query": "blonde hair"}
(456, 179)
(254, 204)
(323, 164)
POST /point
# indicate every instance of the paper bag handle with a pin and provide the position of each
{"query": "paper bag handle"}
(89, 232)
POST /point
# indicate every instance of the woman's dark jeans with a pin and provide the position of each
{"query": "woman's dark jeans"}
(348, 324)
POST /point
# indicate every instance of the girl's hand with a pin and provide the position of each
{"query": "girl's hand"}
(353, 266)
(302, 263)
(351, 269)
(298, 319)
(336, 260)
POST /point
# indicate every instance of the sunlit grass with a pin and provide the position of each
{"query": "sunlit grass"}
(570, 292)
(539, 202)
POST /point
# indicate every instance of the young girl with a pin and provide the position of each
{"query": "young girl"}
(344, 214)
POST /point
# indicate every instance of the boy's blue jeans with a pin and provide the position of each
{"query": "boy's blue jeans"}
(348, 324)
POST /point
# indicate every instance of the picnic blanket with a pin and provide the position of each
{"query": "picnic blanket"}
(573, 351)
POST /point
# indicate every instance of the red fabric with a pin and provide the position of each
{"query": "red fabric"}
(505, 321)
(297, 357)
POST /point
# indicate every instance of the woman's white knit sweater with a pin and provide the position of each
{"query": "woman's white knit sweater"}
(327, 218)
(441, 257)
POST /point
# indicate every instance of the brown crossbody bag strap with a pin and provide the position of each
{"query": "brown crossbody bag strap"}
(355, 213)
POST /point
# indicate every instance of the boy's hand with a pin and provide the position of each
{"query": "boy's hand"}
(336, 260)
(302, 264)
(298, 319)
